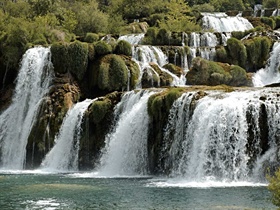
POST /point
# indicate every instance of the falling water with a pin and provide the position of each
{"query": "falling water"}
(220, 22)
(125, 152)
(65, 153)
(133, 39)
(270, 74)
(16, 122)
(211, 141)
(145, 55)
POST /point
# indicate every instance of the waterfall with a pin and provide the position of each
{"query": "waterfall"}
(270, 74)
(32, 84)
(65, 153)
(144, 55)
(125, 152)
(133, 39)
(213, 142)
(221, 22)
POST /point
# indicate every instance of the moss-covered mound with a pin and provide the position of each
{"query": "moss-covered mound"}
(113, 72)
(123, 48)
(70, 57)
(97, 124)
(174, 69)
(165, 78)
(212, 73)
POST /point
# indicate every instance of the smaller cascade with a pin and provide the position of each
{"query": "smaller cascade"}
(134, 39)
(270, 74)
(125, 153)
(221, 22)
(32, 84)
(65, 153)
(144, 55)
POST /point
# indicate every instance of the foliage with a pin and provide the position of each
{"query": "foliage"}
(225, 5)
(271, 3)
(99, 109)
(206, 7)
(274, 187)
(59, 57)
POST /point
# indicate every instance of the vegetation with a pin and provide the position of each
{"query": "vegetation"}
(274, 187)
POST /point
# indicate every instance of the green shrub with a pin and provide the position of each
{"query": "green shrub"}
(91, 37)
(78, 58)
(91, 52)
(151, 36)
(123, 48)
(274, 188)
(277, 22)
(102, 48)
(163, 37)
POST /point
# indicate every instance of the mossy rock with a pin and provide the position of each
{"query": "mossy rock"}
(91, 38)
(258, 49)
(134, 71)
(215, 73)
(165, 78)
(174, 69)
(221, 54)
(99, 109)
(123, 48)
(269, 22)
(109, 73)
(237, 52)
(59, 58)
(102, 48)
(78, 59)
(149, 78)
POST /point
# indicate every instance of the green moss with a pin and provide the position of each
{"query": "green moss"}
(123, 48)
(78, 59)
(238, 76)
(59, 57)
(103, 76)
(99, 109)
(91, 37)
(150, 36)
(134, 70)
(237, 52)
(258, 50)
(91, 52)
(165, 78)
(163, 37)
(269, 21)
(213, 73)
(221, 54)
(173, 69)
(102, 48)
(118, 73)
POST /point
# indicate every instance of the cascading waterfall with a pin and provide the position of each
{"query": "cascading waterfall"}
(221, 22)
(212, 142)
(270, 74)
(125, 152)
(16, 122)
(65, 153)
(145, 55)
(133, 39)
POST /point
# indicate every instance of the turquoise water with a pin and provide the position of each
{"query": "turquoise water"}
(80, 191)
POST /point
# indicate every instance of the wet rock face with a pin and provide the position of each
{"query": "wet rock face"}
(96, 125)
(63, 94)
